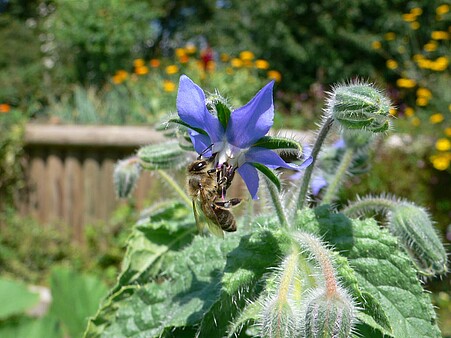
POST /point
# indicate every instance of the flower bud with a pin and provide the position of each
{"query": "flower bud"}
(125, 175)
(414, 228)
(360, 106)
(166, 155)
(329, 314)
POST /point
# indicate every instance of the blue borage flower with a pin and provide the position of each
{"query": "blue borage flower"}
(236, 138)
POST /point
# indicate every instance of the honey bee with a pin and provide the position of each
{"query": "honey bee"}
(207, 186)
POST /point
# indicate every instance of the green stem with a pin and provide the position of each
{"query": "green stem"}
(302, 199)
(332, 189)
(175, 186)
(275, 198)
(377, 204)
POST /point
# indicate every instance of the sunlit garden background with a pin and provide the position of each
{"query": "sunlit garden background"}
(112, 62)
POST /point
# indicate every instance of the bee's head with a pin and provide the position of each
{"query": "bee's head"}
(198, 166)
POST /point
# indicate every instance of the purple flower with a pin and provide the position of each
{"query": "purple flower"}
(233, 139)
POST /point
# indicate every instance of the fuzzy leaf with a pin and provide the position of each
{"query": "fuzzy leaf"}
(385, 272)
(180, 297)
(152, 239)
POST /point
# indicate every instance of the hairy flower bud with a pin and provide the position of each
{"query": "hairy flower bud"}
(328, 315)
(360, 106)
(125, 175)
(414, 228)
(166, 155)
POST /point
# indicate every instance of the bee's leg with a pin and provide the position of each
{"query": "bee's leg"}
(206, 150)
(228, 204)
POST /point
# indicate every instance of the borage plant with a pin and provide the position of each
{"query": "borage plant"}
(304, 269)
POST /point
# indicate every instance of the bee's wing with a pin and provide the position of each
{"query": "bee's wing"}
(202, 219)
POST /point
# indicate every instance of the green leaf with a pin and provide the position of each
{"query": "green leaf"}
(247, 265)
(46, 327)
(165, 230)
(179, 297)
(335, 228)
(277, 142)
(385, 272)
(76, 297)
(268, 173)
(15, 298)
(223, 113)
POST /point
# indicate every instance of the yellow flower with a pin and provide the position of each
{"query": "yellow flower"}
(190, 48)
(236, 63)
(440, 161)
(142, 70)
(246, 55)
(430, 46)
(418, 57)
(168, 86)
(261, 64)
(424, 64)
(448, 131)
(392, 64)
(390, 36)
(225, 57)
(154, 63)
(422, 101)
(442, 9)
(120, 76)
(406, 83)
(436, 118)
(416, 11)
(138, 63)
(376, 45)
(440, 35)
(172, 69)
(180, 52)
(409, 111)
(415, 25)
(392, 111)
(415, 121)
(424, 92)
(439, 64)
(274, 75)
(443, 144)
(229, 71)
(409, 17)
(5, 108)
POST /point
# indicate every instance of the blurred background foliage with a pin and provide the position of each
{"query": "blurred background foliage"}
(118, 62)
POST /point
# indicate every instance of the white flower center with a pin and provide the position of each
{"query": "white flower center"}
(230, 154)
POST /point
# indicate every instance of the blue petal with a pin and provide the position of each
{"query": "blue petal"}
(192, 109)
(200, 142)
(251, 122)
(268, 158)
(318, 182)
(250, 177)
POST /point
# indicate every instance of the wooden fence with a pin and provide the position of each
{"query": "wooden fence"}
(69, 171)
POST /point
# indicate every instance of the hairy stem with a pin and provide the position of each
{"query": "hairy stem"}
(277, 203)
(302, 199)
(332, 189)
(367, 204)
(175, 186)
